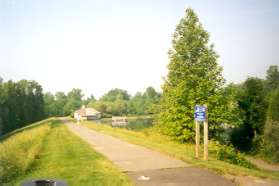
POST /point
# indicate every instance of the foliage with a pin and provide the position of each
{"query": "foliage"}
(144, 103)
(273, 107)
(20, 103)
(119, 102)
(272, 78)
(271, 133)
(194, 78)
(61, 104)
(252, 105)
(19, 151)
(89, 99)
(115, 94)
(229, 154)
(74, 101)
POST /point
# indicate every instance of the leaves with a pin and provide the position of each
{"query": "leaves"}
(194, 78)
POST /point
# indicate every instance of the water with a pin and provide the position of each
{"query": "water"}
(133, 124)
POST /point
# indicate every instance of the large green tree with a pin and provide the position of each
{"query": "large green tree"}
(194, 78)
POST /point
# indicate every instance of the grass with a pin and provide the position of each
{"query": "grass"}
(65, 156)
(17, 153)
(186, 152)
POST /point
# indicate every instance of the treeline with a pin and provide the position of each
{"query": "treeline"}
(243, 115)
(24, 102)
(257, 103)
(119, 102)
(20, 103)
(115, 102)
(61, 104)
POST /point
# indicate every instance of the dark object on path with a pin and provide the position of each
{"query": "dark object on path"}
(45, 182)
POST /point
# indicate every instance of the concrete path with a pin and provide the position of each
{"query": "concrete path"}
(128, 157)
(144, 166)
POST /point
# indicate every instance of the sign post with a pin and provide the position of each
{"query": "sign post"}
(197, 138)
(201, 116)
(205, 136)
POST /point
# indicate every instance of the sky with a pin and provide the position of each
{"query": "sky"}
(100, 45)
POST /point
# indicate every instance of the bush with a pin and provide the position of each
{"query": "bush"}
(229, 154)
(18, 152)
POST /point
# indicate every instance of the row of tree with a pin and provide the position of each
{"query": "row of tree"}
(119, 102)
(24, 102)
(20, 103)
(114, 102)
(61, 104)
(245, 115)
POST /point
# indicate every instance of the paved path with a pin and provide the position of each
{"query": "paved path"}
(144, 166)
(128, 157)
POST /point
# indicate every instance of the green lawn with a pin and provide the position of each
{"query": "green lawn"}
(186, 152)
(66, 157)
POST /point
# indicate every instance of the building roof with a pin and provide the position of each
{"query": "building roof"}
(87, 112)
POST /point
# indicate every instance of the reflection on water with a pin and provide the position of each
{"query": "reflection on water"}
(133, 124)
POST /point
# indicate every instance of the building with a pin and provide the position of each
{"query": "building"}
(87, 114)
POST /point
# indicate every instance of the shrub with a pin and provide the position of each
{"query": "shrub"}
(18, 152)
(229, 154)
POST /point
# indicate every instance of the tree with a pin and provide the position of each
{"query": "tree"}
(49, 106)
(74, 101)
(60, 102)
(89, 99)
(194, 78)
(271, 132)
(21, 103)
(272, 78)
(115, 94)
(136, 104)
(252, 105)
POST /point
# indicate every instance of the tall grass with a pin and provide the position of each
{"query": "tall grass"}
(18, 152)
(66, 157)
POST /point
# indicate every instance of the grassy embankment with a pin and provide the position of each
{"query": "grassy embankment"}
(51, 151)
(186, 152)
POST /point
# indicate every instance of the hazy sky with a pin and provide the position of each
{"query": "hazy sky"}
(99, 45)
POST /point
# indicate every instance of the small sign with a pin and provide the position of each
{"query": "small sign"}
(200, 113)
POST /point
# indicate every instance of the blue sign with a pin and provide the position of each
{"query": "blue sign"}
(200, 113)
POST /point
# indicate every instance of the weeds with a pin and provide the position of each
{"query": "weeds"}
(18, 152)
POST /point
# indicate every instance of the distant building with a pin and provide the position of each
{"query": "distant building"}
(119, 121)
(87, 114)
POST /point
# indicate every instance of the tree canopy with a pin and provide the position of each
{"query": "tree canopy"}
(20, 103)
(194, 78)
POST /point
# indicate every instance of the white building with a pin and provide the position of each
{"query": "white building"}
(87, 114)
